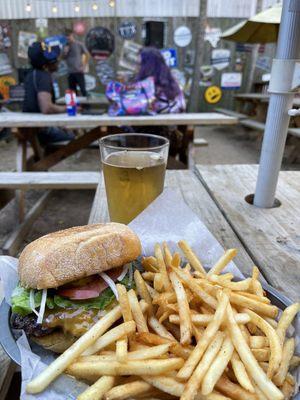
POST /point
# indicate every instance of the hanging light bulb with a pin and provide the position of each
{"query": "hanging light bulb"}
(94, 6)
(28, 7)
(77, 8)
(112, 3)
(54, 8)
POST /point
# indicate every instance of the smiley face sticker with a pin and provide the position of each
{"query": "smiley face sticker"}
(213, 94)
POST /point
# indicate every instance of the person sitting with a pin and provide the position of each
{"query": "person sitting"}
(39, 91)
(169, 96)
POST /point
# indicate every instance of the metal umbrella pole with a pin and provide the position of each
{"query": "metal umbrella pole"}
(281, 100)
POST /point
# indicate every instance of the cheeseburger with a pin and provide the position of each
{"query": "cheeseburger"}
(67, 281)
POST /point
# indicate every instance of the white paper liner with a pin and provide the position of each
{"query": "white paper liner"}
(168, 219)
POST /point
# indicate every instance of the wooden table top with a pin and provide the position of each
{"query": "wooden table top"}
(32, 120)
(270, 236)
(266, 238)
(197, 198)
(87, 100)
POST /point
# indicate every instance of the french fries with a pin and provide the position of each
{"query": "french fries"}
(184, 333)
(98, 389)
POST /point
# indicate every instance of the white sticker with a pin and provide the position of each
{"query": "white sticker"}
(90, 82)
(220, 58)
(212, 35)
(231, 80)
(182, 36)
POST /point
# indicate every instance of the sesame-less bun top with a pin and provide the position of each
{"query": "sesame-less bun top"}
(65, 256)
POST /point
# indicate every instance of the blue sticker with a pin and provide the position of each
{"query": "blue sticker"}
(57, 40)
(170, 56)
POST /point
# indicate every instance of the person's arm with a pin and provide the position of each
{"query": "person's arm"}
(47, 106)
(85, 56)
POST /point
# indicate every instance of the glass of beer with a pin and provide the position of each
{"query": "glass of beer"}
(134, 166)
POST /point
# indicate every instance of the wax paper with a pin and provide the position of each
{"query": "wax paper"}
(168, 219)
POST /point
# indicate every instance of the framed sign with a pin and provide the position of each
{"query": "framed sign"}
(231, 80)
(25, 39)
(127, 30)
(130, 55)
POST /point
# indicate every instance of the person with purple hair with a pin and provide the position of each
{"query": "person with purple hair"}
(169, 96)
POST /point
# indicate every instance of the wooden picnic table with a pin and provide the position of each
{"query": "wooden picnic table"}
(87, 100)
(260, 101)
(267, 238)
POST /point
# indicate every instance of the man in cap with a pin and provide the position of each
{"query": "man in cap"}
(39, 91)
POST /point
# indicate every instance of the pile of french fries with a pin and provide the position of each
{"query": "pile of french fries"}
(184, 333)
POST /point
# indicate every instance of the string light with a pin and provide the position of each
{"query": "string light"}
(28, 7)
(54, 8)
(77, 8)
(112, 3)
(95, 6)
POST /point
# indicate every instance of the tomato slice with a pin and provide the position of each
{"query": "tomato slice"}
(91, 289)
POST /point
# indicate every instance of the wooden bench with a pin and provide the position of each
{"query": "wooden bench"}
(231, 113)
(21, 181)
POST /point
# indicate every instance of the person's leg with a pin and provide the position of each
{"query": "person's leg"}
(81, 83)
(72, 82)
(54, 134)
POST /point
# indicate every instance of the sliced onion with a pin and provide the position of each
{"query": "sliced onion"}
(110, 283)
(130, 274)
(32, 302)
(42, 307)
(123, 273)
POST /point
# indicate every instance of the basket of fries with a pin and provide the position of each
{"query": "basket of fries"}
(185, 332)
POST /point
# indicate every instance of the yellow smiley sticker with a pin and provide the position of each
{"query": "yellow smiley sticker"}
(213, 94)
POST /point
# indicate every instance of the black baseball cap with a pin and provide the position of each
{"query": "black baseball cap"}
(40, 54)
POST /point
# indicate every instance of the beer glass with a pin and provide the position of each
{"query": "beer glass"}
(134, 168)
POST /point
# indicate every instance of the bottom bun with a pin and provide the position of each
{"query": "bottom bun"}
(57, 342)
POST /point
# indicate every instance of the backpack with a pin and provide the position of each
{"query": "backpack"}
(131, 99)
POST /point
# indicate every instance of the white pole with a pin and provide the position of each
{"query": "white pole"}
(277, 123)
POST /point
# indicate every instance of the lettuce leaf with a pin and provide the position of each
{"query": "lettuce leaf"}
(21, 304)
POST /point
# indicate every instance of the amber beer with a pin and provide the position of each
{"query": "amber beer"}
(133, 179)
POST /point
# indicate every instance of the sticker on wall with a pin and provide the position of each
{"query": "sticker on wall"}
(5, 65)
(170, 56)
(212, 35)
(79, 27)
(243, 47)
(179, 77)
(264, 63)
(220, 58)
(207, 71)
(5, 41)
(56, 40)
(213, 94)
(104, 72)
(25, 39)
(231, 80)
(130, 55)
(127, 30)
(62, 69)
(239, 65)
(42, 25)
(182, 36)
(90, 82)
(100, 42)
(5, 83)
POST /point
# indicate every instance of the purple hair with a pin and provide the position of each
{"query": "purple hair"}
(153, 64)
